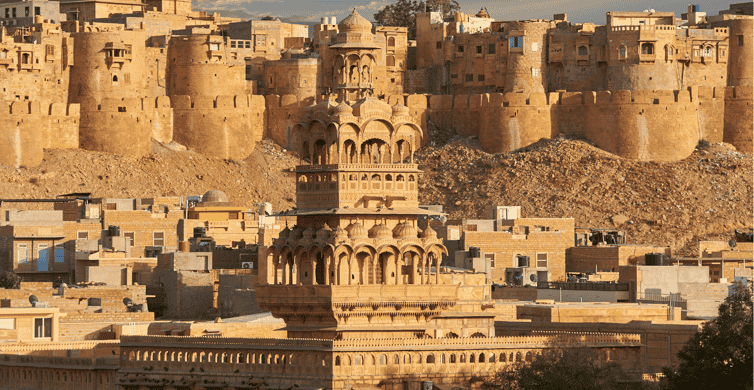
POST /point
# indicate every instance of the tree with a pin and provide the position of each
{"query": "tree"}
(9, 279)
(403, 13)
(562, 369)
(720, 356)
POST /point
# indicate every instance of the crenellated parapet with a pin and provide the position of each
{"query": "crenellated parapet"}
(656, 125)
(29, 127)
(646, 125)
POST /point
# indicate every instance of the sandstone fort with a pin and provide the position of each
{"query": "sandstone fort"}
(359, 286)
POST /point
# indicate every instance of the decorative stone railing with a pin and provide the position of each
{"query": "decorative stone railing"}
(21, 348)
(60, 362)
(540, 340)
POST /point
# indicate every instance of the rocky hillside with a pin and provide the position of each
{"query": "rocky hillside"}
(705, 196)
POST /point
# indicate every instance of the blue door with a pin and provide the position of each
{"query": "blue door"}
(44, 258)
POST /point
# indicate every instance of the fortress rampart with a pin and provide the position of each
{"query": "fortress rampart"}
(125, 126)
(643, 125)
(224, 127)
(28, 127)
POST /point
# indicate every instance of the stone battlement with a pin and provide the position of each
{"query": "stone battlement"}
(39, 108)
(229, 126)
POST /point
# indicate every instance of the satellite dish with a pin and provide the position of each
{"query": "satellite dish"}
(128, 302)
(533, 278)
(732, 243)
(33, 300)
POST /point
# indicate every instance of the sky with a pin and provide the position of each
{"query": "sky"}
(579, 11)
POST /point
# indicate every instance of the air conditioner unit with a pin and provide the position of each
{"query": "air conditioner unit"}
(247, 265)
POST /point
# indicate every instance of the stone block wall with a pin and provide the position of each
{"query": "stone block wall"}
(29, 127)
(643, 125)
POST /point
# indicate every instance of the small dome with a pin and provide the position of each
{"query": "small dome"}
(214, 196)
(405, 230)
(355, 23)
(285, 232)
(326, 106)
(342, 109)
(429, 233)
(324, 233)
(371, 104)
(380, 231)
(399, 109)
(357, 230)
(295, 233)
(341, 233)
(482, 14)
(308, 233)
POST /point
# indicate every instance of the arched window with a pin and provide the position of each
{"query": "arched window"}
(358, 360)
(472, 358)
(430, 358)
(583, 50)
(399, 178)
(707, 52)
(383, 359)
(518, 356)
(337, 360)
(622, 52)
(390, 61)
(647, 48)
(492, 358)
(463, 358)
(396, 359)
(442, 358)
(452, 358)
(481, 358)
(391, 42)
(25, 58)
(528, 356)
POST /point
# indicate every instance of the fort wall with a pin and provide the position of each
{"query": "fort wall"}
(108, 64)
(124, 126)
(199, 67)
(739, 121)
(29, 127)
(223, 127)
(643, 125)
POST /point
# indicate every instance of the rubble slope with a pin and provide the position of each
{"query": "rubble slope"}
(705, 196)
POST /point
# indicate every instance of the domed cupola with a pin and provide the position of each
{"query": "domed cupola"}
(308, 233)
(285, 232)
(295, 233)
(399, 110)
(324, 233)
(342, 109)
(380, 231)
(371, 104)
(341, 234)
(429, 233)
(357, 230)
(355, 23)
(404, 231)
